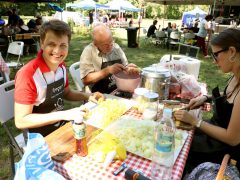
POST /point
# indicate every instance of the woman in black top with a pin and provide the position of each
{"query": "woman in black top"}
(220, 135)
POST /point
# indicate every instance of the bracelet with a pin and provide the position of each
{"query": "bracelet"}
(198, 125)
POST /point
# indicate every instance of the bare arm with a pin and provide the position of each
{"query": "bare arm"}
(24, 118)
(230, 136)
(94, 77)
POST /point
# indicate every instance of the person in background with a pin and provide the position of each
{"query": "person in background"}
(90, 17)
(151, 29)
(168, 29)
(13, 17)
(25, 29)
(102, 58)
(220, 135)
(42, 84)
(202, 34)
(174, 27)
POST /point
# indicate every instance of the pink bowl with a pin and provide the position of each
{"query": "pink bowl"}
(126, 82)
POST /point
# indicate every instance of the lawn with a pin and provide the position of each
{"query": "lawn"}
(143, 56)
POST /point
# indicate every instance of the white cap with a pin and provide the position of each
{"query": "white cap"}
(140, 91)
(78, 120)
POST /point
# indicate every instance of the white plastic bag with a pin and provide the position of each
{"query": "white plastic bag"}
(36, 162)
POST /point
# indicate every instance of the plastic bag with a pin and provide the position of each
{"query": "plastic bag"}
(190, 88)
(103, 143)
(208, 171)
(36, 162)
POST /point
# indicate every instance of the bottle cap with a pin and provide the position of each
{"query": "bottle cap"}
(167, 112)
(151, 96)
(78, 120)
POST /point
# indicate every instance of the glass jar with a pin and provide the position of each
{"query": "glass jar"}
(139, 98)
(151, 106)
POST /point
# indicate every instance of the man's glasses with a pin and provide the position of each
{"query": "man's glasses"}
(215, 54)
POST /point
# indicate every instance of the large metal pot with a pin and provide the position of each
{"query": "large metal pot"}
(157, 80)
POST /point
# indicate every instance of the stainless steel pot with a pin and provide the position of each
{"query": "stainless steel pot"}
(157, 80)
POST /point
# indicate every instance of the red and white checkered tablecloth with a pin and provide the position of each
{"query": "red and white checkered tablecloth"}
(86, 168)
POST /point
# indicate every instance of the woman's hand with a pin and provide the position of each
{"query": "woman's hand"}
(196, 102)
(185, 116)
(96, 97)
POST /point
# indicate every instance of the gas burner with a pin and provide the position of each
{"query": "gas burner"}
(123, 94)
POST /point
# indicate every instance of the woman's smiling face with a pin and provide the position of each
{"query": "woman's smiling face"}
(55, 49)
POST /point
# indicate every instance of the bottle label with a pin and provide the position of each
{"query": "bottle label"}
(165, 139)
(79, 131)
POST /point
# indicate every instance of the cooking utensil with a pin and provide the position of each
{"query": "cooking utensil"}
(156, 80)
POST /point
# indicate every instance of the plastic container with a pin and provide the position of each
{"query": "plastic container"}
(79, 129)
(151, 106)
(164, 143)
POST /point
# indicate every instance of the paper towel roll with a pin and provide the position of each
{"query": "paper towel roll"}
(192, 66)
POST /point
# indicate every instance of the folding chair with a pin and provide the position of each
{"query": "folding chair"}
(147, 40)
(15, 51)
(193, 51)
(183, 49)
(75, 73)
(17, 143)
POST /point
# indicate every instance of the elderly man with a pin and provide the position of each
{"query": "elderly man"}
(102, 58)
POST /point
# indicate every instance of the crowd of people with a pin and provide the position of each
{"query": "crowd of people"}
(16, 25)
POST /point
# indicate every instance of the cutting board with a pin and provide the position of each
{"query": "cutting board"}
(61, 143)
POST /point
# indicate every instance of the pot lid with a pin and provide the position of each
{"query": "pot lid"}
(156, 72)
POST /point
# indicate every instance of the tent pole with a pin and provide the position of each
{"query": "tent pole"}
(214, 4)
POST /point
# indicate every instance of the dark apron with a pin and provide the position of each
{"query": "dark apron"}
(209, 148)
(106, 85)
(53, 102)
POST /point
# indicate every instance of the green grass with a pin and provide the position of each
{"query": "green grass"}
(143, 56)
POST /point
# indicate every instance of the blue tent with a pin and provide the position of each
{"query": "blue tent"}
(190, 16)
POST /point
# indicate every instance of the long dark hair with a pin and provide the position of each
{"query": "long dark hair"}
(228, 37)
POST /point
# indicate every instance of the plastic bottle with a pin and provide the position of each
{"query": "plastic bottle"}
(164, 143)
(79, 129)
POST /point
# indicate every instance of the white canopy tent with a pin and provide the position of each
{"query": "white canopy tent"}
(189, 16)
(122, 5)
(87, 4)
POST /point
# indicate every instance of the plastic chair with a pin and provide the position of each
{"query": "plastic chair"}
(17, 143)
(15, 50)
(147, 40)
(174, 39)
(161, 38)
(75, 73)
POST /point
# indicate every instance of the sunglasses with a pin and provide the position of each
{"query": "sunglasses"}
(215, 54)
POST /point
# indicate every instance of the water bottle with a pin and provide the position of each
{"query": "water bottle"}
(164, 143)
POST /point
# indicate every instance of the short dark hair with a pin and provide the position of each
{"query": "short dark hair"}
(209, 17)
(60, 28)
(155, 22)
